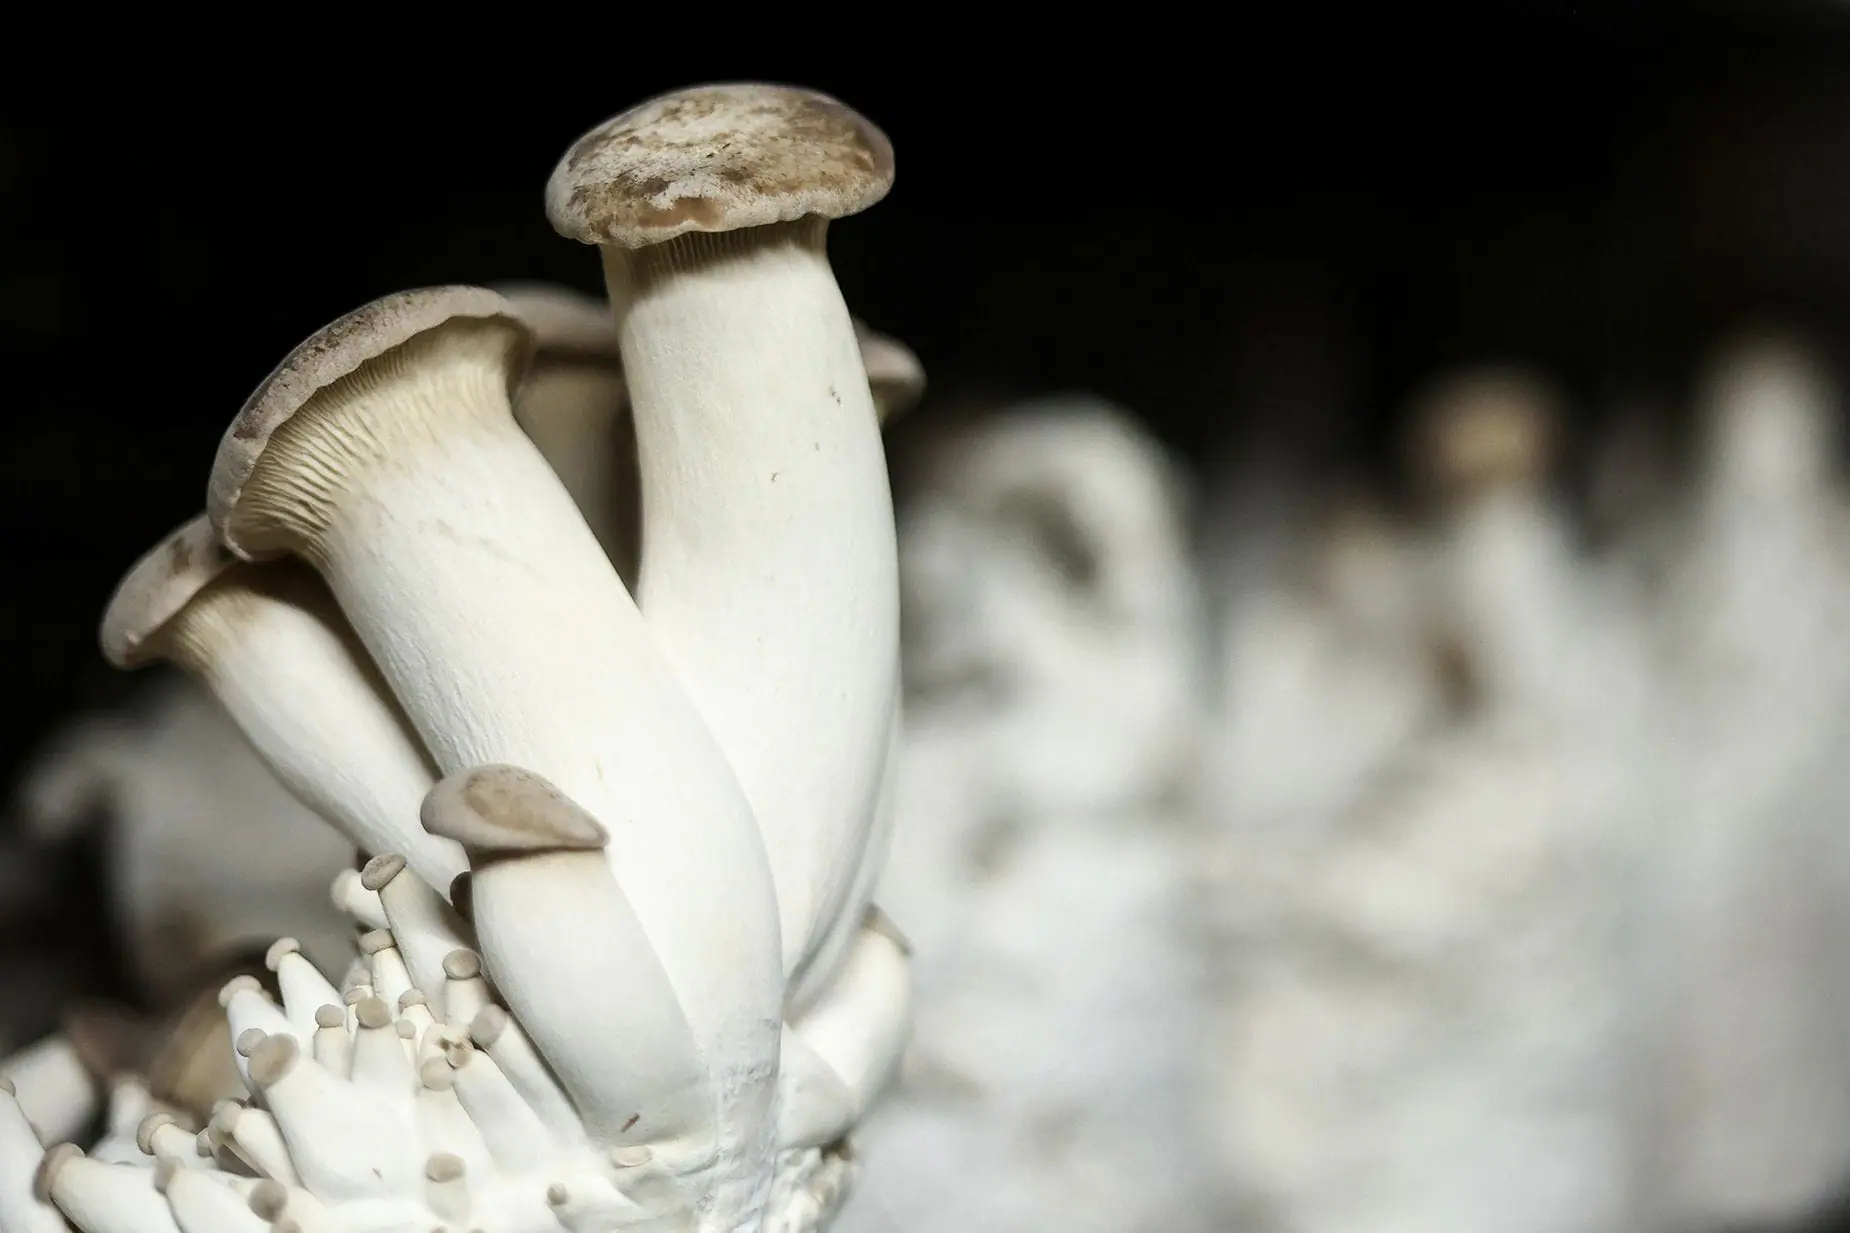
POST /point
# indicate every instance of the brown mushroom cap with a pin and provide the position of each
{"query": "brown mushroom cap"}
(893, 371)
(565, 321)
(159, 585)
(499, 808)
(717, 158)
(329, 354)
(1485, 429)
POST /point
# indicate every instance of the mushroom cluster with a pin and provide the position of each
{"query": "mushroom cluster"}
(1052, 641)
(1526, 872)
(208, 856)
(622, 966)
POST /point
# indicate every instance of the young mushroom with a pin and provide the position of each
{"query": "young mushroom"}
(269, 644)
(768, 562)
(384, 450)
(568, 950)
(1485, 442)
(894, 375)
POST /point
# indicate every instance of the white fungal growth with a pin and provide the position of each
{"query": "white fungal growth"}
(429, 1109)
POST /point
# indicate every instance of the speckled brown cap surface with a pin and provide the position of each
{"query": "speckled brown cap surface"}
(717, 158)
(326, 356)
(157, 587)
(565, 321)
(501, 808)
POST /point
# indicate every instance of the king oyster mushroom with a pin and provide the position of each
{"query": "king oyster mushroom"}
(384, 451)
(768, 560)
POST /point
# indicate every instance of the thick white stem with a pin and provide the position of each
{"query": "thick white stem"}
(276, 655)
(769, 563)
(545, 920)
(491, 610)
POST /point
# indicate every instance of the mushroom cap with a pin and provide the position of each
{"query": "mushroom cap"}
(500, 808)
(1767, 410)
(327, 355)
(1487, 428)
(717, 158)
(893, 371)
(157, 587)
(565, 321)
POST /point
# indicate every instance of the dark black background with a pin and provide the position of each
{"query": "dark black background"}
(1142, 208)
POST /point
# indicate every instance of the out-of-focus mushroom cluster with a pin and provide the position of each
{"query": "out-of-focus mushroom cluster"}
(1524, 863)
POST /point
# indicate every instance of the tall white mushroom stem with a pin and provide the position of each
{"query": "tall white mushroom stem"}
(769, 564)
(832, 946)
(491, 609)
(897, 380)
(270, 646)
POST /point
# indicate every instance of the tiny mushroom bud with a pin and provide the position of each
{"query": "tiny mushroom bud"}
(270, 645)
(769, 566)
(384, 451)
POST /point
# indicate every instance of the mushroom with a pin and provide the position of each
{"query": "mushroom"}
(846, 1048)
(574, 405)
(268, 643)
(894, 375)
(768, 566)
(1507, 575)
(1767, 422)
(1484, 429)
(542, 891)
(384, 450)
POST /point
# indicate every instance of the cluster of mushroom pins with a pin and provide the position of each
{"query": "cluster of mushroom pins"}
(619, 764)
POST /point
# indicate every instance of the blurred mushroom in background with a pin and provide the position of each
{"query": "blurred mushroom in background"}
(1052, 658)
(1428, 1031)
(207, 852)
(1747, 1079)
